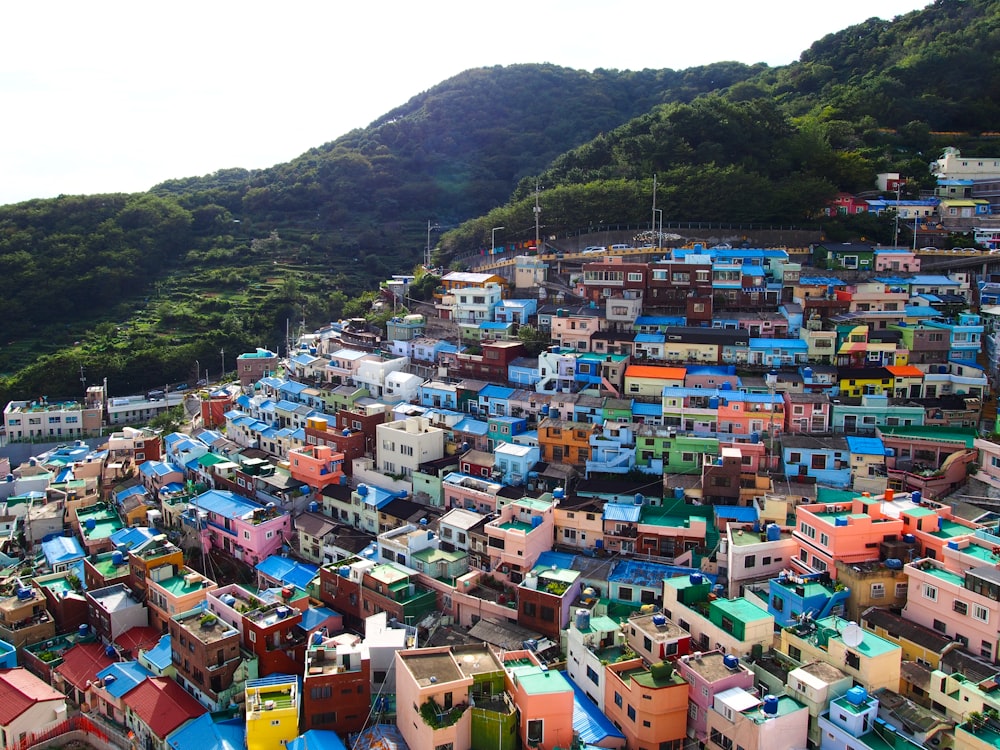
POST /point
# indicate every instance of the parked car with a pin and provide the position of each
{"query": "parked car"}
(593, 249)
(621, 247)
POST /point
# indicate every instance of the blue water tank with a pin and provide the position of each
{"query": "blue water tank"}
(807, 372)
(109, 650)
(731, 661)
(24, 593)
(545, 409)
(909, 539)
(344, 571)
(773, 532)
(840, 521)
(639, 499)
(754, 437)
(423, 521)
(894, 563)
(582, 619)
(713, 402)
(536, 521)
(83, 630)
(678, 493)
(362, 489)
(770, 705)
(659, 620)
(117, 558)
(531, 644)
(916, 496)
(346, 432)
(558, 493)
(317, 638)
(90, 524)
(598, 544)
(857, 695)
(695, 579)
(727, 386)
(313, 506)
(952, 545)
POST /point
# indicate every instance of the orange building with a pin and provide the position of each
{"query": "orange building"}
(649, 704)
(650, 380)
(563, 441)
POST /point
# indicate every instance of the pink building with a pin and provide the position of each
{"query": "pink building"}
(316, 465)
(242, 528)
(845, 531)
(471, 493)
(807, 413)
(430, 682)
(709, 674)
(965, 607)
(523, 530)
(573, 330)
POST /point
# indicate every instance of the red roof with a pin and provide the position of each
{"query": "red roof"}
(162, 705)
(82, 663)
(19, 691)
(137, 638)
(655, 371)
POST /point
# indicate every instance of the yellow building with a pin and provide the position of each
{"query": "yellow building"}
(650, 380)
(872, 661)
(272, 705)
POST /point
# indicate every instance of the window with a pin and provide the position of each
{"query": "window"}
(961, 607)
(824, 540)
(930, 592)
(750, 561)
(631, 713)
(901, 589)
(536, 731)
(719, 739)
(980, 613)
(625, 593)
(878, 590)
(592, 675)
(852, 660)
(940, 626)
(618, 699)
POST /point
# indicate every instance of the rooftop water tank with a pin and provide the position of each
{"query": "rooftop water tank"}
(536, 521)
(953, 545)
(909, 539)
(659, 620)
(362, 489)
(773, 532)
(228, 599)
(109, 650)
(582, 619)
(558, 493)
(346, 432)
(695, 579)
(916, 496)
(344, 571)
(90, 524)
(24, 593)
(639, 499)
(754, 437)
(83, 630)
(857, 695)
(678, 493)
(317, 638)
(770, 706)
(117, 558)
(423, 521)
(727, 386)
(313, 506)
(840, 521)
(282, 612)
(894, 563)
(713, 402)
(731, 661)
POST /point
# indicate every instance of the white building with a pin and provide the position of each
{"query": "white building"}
(27, 704)
(402, 445)
(372, 374)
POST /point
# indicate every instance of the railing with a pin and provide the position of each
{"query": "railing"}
(82, 724)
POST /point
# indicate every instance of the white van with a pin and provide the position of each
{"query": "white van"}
(621, 247)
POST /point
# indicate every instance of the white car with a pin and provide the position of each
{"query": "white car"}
(593, 249)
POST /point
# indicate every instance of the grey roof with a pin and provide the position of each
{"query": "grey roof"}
(899, 627)
(505, 635)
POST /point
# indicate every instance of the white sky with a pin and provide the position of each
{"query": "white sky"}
(111, 96)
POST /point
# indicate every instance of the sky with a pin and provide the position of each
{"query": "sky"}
(112, 96)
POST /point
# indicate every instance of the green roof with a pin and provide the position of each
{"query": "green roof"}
(536, 681)
(964, 435)
(871, 645)
(741, 609)
(948, 529)
(533, 504)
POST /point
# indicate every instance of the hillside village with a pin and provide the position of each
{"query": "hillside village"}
(743, 499)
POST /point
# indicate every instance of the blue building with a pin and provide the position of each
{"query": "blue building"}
(827, 460)
(812, 596)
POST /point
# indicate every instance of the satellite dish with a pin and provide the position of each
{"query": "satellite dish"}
(852, 635)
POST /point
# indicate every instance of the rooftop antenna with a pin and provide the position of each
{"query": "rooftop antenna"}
(852, 635)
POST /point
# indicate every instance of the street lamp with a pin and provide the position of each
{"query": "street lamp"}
(493, 238)
(427, 257)
(659, 235)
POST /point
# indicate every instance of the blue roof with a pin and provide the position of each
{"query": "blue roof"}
(125, 675)
(287, 571)
(204, 733)
(650, 338)
(132, 537)
(867, 445)
(659, 320)
(562, 560)
(274, 679)
(159, 656)
(496, 391)
(157, 468)
(779, 344)
(226, 504)
(316, 739)
(314, 617)
(589, 723)
(471, 426)
(62, 549)
(828, 280)
(622, 512)
(136, 489)
(642, 409)
(736, 513)
(378, 496)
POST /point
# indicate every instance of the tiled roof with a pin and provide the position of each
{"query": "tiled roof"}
(82, 663)
(19, 690)
(162, 705)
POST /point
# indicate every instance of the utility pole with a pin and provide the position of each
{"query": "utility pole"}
(83, 380)
(427, 256)
(652, 223)
(222, 352)
(538, 216)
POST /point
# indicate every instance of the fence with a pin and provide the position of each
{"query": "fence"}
(79, 728)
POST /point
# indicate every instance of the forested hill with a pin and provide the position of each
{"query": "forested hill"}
(225, 261)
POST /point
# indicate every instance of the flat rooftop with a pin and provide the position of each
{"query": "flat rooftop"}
(441, 666)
